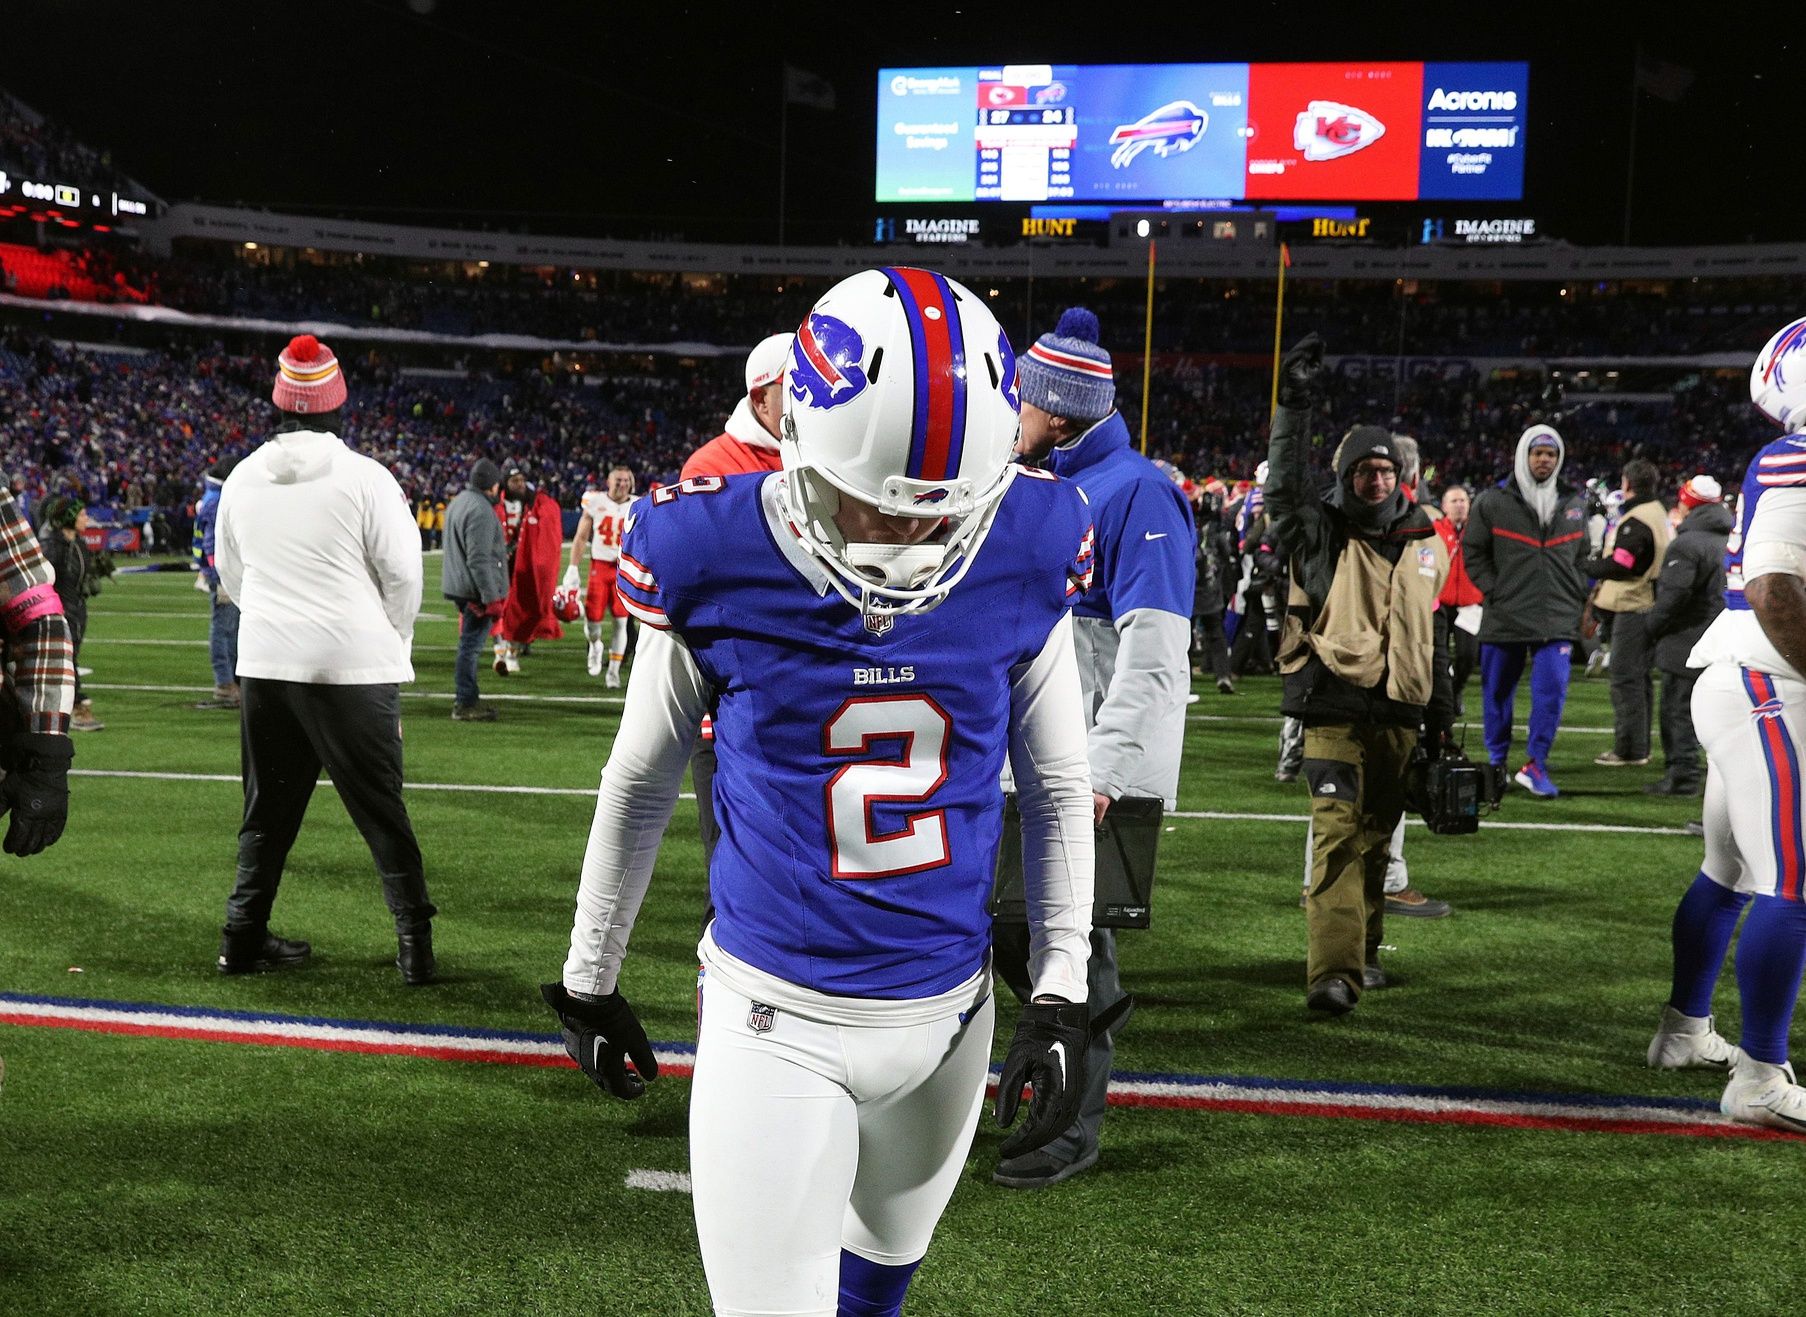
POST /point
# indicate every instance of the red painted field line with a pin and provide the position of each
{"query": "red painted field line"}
(684, 1070)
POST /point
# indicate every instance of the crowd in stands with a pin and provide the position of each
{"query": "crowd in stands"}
(1197, 316)
(135, 428)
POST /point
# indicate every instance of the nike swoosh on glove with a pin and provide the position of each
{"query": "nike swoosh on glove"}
(36, 790)
(1047, 1054)
(603, 1037)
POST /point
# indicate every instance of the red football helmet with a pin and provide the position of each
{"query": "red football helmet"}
(567, 605)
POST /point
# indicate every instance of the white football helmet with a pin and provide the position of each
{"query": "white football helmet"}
(900, 391)
(1778, 379)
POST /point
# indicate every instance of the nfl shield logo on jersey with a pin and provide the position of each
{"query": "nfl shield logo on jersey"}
(878, 623)
(761, 1018)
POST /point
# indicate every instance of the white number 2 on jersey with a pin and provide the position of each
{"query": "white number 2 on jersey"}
(912, 775)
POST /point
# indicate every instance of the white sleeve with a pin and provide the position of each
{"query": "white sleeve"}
(226, 562)
(1053, 791)
(392, 552)
(1145, 702)
(666, 698)
(1776, 541)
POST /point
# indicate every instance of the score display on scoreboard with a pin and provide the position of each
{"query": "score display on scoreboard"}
(1155, 132)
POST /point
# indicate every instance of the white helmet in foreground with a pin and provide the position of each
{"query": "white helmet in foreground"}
(1778, 379)
(900, 392)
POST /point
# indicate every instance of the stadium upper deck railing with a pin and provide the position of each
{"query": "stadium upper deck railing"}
(1178, 256)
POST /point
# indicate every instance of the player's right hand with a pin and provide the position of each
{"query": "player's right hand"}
(1302, 373)
(570, 577)
(602, 1037)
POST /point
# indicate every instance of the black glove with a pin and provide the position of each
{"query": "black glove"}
(36, 790)
(599, 1034)
(1048, 1054)
(1302, 373)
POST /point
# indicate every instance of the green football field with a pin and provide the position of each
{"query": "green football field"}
(1331, 1171)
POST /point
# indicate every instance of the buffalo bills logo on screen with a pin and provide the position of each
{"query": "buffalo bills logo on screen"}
(824, 364)
(1175, 126)
(1012, 392)
(1328, 130)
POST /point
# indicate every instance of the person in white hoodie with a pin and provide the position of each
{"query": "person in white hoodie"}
(318, 546)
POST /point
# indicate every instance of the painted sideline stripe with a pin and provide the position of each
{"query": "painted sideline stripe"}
(1592, 1112)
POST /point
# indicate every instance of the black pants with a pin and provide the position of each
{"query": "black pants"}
(1252, 652)
(1680, 746)
(1633, 688)
(1208, 642)
(288, 731)
(1467, 653)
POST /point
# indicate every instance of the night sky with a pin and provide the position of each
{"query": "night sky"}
(610, 116)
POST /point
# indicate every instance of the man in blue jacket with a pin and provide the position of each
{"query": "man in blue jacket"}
(222, 629)
(1132, 631)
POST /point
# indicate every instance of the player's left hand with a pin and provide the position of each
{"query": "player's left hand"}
(1047, 1054)
(1100, 806)
(600, 1035)
(570, 578)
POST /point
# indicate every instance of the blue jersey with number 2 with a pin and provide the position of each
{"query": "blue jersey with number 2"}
(856, 783)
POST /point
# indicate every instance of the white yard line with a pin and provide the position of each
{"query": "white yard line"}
(1226, 816)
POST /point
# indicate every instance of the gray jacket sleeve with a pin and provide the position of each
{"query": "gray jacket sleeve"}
(1139, 732)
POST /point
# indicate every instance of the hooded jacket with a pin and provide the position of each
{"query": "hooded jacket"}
(475, 567)
(1690, 590)
(319, 549)
(1364, 642)
(1528, 564)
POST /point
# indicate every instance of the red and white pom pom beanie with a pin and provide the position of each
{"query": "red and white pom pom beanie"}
(308, 379)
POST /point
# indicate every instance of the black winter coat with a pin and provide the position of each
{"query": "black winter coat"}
(1530, 574)
(1690, 590)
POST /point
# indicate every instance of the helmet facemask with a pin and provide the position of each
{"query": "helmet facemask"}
(881, 577)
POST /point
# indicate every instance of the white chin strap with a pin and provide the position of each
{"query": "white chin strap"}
(895, 566)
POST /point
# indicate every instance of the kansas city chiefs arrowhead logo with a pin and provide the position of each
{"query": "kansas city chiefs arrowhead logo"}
(1327, 130)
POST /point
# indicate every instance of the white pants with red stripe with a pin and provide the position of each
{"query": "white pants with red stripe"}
(1753, 728)
(807, 1137)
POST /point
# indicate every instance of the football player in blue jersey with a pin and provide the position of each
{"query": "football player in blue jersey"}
(1132, 629)
(1750, 708)
(877, 626)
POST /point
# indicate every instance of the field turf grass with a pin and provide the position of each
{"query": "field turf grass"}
(147, 1175)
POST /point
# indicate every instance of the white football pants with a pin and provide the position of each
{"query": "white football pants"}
(1753, 728)
(808, 1138)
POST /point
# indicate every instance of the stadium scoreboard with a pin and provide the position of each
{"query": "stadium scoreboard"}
(1135, 133)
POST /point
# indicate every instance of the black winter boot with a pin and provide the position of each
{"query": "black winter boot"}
(254, 950)
(415, 955)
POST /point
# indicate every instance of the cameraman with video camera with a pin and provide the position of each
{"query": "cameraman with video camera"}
(1364, 656)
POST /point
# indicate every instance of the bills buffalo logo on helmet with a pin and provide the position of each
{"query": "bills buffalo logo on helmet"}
(1174, 127)
(930, 496)
(1768, 709)
(1328, 130)
(824, 363)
